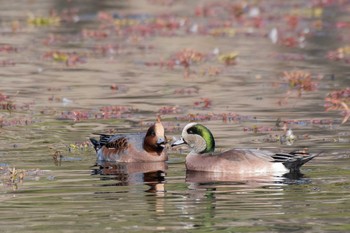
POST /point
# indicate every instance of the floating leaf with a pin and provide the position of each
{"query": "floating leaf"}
(229, 58)
(273, 35)
(43, 21)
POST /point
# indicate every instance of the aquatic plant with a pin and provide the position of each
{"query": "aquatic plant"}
(298, 82)
(340, 54)
(68, 58)
(12, 177)
(226, 117)
(288, 56)
(80, 147)
(95, 34)
(186, 58)
(6, 63)
(211, 71)
(6, 48)
(57, 157)
(339, 100)
(203, 103)
(53, 39)
(165, 110)
(186, 91)
(105, 112)
(40, 21)
(3, 97)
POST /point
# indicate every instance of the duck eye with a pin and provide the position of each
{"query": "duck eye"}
(153, 134)
(190, 131)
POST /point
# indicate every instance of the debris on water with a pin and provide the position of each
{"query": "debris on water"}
(7, 48)
(39, 70)
(288, 138)
(340, 54)
(226, 117)
(339, 100)
(229, 58)
(7, 63)
(79, 147)
(66, 101)
(186, 58)
(105, 112)
(57, 157)
(186, 91)
(203, 103)
(71, 159)
(216, 51)
(51, 178)
(210, 71)
(13, 177)
(43, 21)
(169, 110)
(298, 82)
(273, 35)
(70, 59)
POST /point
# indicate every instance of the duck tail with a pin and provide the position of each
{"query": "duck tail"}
(104, 138)
(103, 141)
(294, 160)
(95, 143)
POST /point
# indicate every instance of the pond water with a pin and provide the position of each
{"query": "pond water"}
(246, 69)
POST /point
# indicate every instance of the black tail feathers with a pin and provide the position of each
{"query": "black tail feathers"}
(104, 138)
(95, 143)
(294, 160)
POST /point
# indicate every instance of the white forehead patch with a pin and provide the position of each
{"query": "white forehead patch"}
(184, 131)
(159, 129)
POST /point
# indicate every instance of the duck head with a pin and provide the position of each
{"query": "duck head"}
(155, 138)
(198, 138)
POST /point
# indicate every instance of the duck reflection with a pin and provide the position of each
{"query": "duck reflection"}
(150, 173)
(200, 180)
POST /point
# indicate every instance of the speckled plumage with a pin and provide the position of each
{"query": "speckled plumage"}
(136, 147)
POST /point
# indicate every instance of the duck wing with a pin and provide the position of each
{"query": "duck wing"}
(251, 155)
(117, 143)
(121, 142)
(292, 161)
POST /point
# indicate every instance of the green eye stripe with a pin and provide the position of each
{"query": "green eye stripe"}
(205, 133)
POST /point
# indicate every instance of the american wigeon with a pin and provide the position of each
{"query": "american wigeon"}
(239, 161)
(136, 147)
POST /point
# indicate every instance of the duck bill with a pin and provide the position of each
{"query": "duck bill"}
(161, 142)
(179, 142)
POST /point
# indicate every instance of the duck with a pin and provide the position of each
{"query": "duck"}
(134, 147)
(203, 157)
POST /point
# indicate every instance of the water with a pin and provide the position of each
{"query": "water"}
(115, 82)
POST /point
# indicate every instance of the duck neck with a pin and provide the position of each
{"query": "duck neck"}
(152, 149)
(206, 144)
(210, 144)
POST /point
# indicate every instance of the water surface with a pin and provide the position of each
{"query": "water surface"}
(121, 74)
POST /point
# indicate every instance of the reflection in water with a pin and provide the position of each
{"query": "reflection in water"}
(213, 194)
(133, 57)
(212, 180)
(151, 174)
(253, 180)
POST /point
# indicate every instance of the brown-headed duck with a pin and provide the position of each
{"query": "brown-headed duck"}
(136, 147)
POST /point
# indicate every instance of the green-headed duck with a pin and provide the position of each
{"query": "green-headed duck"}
(239, 161)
